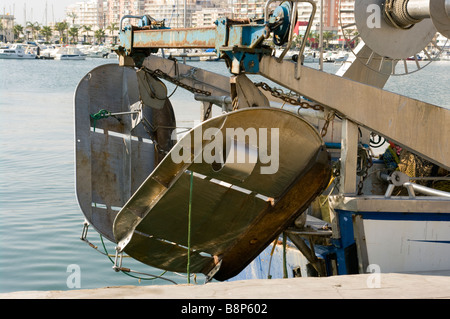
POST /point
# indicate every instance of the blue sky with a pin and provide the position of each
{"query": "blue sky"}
(35, 9)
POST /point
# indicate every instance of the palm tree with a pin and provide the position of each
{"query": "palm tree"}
(312, 38)
(297, 40)
(47, 33)
(1, 29)
(86, 29)
(327, 36)
(18, 30)
(112, 27)
(348, 35)
(73, 32)
(61, 27)
(34, 27)
(73, 16)
(99, 35)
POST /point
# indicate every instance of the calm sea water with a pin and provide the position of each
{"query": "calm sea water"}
(40, 220)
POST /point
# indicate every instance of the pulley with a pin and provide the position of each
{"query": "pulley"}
(397, 30)
(281, 18)
(440, 15)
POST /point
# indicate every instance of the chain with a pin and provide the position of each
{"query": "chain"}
(364, 164)
(330, 118)
(176, 81)
(293, 99)
(207, 112)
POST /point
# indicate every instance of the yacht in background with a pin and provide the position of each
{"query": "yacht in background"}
(17, 51)
(69, 53)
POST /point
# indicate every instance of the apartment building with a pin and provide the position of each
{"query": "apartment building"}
(333, 10)
(184, 13)
(248, 8)
(115, 9)
(7, 30)
(189, 13)
(207, 16)
(83, 13)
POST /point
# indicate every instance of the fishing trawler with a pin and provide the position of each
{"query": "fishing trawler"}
(291, 172)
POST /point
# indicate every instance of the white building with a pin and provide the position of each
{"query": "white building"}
(83, 13)
(7, 31)
(207, 16)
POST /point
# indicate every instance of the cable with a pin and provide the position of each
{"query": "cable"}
(129, 270)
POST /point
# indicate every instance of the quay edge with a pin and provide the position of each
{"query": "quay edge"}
(362, 286)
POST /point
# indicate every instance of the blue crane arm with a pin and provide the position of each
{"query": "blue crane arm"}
(239, 42)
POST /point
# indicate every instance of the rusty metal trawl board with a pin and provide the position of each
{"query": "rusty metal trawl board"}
(114, 155)
(237, 208)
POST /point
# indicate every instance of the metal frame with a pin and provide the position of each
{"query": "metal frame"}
(396, 117)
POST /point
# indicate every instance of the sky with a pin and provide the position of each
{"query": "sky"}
(35, 9)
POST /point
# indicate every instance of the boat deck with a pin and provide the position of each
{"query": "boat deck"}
(366, 286)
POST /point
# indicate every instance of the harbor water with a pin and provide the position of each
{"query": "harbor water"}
(40, 220)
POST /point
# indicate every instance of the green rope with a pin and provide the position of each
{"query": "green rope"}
(102, 114)
(189, 230)
(285, 275)
(130, 275)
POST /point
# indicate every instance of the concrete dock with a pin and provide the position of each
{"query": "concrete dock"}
(365, 286)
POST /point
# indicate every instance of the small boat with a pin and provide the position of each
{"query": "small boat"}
(69, 53)
(342, 56)
(445, 56)
(110, 55)
(94, 52)
(17, 51)
(311, 57)
(413, 58)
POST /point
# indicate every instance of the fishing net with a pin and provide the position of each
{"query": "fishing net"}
(413, 165)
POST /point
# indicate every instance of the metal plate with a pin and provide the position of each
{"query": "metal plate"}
(439, 10)
(114, 159)
(234, 216)
(153, 91)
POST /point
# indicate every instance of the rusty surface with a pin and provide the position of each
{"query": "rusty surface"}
(199, 38)
(233, 217)
(112, 157)
(277, 218)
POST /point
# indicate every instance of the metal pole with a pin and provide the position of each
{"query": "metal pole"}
(184, 26)
(321, 37)
(418, 9)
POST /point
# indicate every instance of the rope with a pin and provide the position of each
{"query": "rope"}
(398, 16)
(126, 273)
(285, 274)
(189, 229)
(102, 114)
(269, 276)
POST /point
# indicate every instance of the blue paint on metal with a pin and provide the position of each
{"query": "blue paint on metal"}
(241, 42)
(432, 241)
(282, 31)
(413, 216)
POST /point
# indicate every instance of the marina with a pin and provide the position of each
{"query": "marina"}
(318, 212)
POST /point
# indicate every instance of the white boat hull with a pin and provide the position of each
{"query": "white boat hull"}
(69, 57)
(5, 56)
(408, 245)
